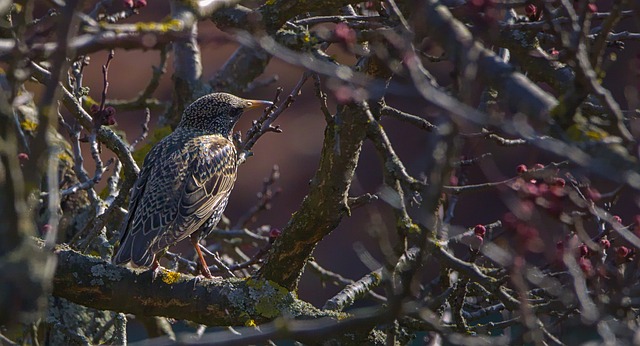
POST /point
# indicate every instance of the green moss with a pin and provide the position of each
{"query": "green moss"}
(164, 26)
(29, 125)
(586, 132)
(269, 299)
(88, 101)
(268, 296)
(407, 226)
(250, 323)
(170, 277)
(63, 156)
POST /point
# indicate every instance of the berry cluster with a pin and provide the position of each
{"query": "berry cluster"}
(134, 5)
(104, 116)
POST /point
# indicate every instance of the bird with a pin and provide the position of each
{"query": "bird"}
(185, 182)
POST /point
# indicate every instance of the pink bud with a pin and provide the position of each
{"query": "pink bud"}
(46, 228)
(521, 169)
(480, 230)
(110, 111)
(622, 252)
(23, 157)
(586, 266)
(584, 250)
(616, 218)
(274, 233)
(531, 10)
(345, 33)
(605, 243)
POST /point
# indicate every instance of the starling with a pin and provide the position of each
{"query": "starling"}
(185, 182)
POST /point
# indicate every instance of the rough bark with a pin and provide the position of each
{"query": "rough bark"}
(325, 205)
(96, 283)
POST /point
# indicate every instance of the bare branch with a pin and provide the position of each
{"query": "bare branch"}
(102, 285)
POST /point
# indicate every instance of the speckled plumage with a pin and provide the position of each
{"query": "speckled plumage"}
(185, 181)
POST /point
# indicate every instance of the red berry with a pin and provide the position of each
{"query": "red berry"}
(537, 166)
(586, 266)
(584, 250)
(110, 120)
(274, 233)
(531, 10)
(622, 252)
(559, 182)
(128, 3)
(110, 111)
(616, 218)
(23, 156)
(521, 169)
(480, 230)
(593, 8)
(605, 243)
(345, 33)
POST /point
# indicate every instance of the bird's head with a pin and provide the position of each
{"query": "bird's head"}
(217, 112)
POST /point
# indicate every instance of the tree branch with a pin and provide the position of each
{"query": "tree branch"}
(95, 283)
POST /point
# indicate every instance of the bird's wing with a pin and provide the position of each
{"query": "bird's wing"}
(182, 186)
(131, 226)
(209, 178)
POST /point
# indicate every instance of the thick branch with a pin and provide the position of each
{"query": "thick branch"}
(325, 205)
(92, 282)
(327, 202)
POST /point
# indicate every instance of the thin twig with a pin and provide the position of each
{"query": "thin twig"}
(145, 129)
(408, 118)
(322, 96)
(263, 125)
(265, 197)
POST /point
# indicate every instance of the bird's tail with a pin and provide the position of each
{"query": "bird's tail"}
(133, 250)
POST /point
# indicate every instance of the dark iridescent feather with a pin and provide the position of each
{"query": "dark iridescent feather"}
(185, 181)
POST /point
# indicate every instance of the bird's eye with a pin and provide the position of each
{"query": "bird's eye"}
(249, 104)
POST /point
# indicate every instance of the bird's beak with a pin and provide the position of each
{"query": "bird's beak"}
(249, 104)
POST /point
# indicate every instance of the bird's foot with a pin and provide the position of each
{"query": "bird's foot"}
(201, 277)
(205, 272)
(155, 270)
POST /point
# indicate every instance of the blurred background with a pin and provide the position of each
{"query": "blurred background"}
(296, 150)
